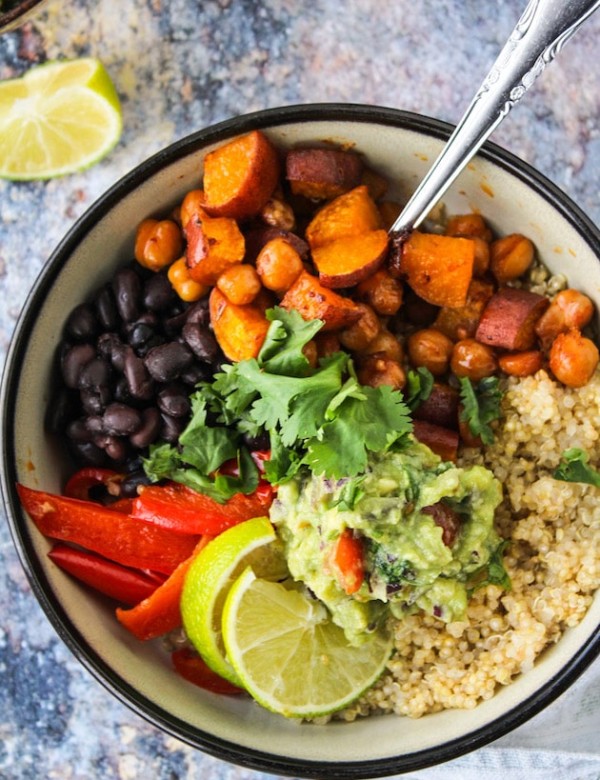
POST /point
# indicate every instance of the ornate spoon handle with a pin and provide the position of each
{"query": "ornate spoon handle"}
(539, 35)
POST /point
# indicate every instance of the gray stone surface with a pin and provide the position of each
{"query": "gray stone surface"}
(180, 65)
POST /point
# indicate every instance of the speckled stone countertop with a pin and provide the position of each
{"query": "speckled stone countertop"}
(180, 65)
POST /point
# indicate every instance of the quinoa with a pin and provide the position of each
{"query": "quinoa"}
(553, 560)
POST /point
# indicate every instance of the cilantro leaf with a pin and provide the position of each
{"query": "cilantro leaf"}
(574, 467)
(493, 572)
(350, 494)
(281, 352)
(202, 446)
(419, 384)
(481, 406)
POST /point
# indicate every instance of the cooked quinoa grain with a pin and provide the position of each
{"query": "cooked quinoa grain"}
(553, 560)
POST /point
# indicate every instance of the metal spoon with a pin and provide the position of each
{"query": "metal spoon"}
(539, 35)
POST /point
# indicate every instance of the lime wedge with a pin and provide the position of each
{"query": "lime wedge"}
(58, 118)
(288, 653)
(210, 576)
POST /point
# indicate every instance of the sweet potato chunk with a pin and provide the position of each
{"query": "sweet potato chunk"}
(351, 214)
(240, 176)
(308, 296)
(442, 441)
(213, 244)
(438, 268)
(322, 174)
(509, 319)
(347, 261)
(461, 322)
(440, 408)
(239, 330)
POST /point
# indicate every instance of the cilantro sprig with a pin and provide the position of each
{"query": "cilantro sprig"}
(481, 406)
(574, 467)
(322, 418)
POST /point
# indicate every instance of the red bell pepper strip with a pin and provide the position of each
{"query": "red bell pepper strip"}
(160, 612)
(115, 535)
(192, 668)
(348, 559)
(231, 467)
(80, 483)
(182, 510)
(126, 585)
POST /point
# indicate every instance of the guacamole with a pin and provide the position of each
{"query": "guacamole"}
(425, 528)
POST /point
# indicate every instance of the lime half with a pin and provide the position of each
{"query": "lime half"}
(58, 118)
(288, 653)
(210, 576)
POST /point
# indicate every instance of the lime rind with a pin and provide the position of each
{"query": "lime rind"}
(208, 581)
(290, 656)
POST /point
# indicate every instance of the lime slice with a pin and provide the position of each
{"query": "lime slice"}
(288, 653)
(58, 118)
(210, 576)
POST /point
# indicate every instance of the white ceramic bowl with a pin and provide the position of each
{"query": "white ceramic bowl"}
(515, 199)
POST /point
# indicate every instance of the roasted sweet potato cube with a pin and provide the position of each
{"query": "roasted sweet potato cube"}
(239, 330)
(442, 441)
(322, 174)
(461, 322)
(509, 319)
(347, 261)
(213, 244)
(240, 176)
(350, 214)
(315, 302)
(438, 268)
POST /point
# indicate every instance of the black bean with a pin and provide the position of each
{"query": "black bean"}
(95, 401)
(171, 428)
(129, 486)
(138, 379)
(173, 325)
(88, 452)
(115, 447)
(95, 424)
(121, 420)
(198, 312)
(149, 429)
(73, 361)
(197, 372)
(94, 375)
(78, 431)
(106, 308)
(127, 288)
(61, 410)
(140, 334)
(168, 361)
(157, 293)
(201, 341)
(110, 347)
(82, 324)
(174, 401)
(122, 392)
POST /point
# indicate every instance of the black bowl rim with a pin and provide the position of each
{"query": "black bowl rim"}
(18, 14)
(225, 750)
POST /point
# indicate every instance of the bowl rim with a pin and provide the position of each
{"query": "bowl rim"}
(151, 712)
(18, 14)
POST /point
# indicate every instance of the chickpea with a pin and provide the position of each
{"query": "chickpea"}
(569, 309)
(278, 265)
(431, 349)
(510, 257)
(573, 358)
(382, 292)
(193, 203)
(239, 283)
(521, 363)
(157, 243)
(327, 343)
(376, 370)
(357, 336)
(482, 256)
(385, 344)
(468, 226)
(473, 360)
(185, 287)
(277, 213)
